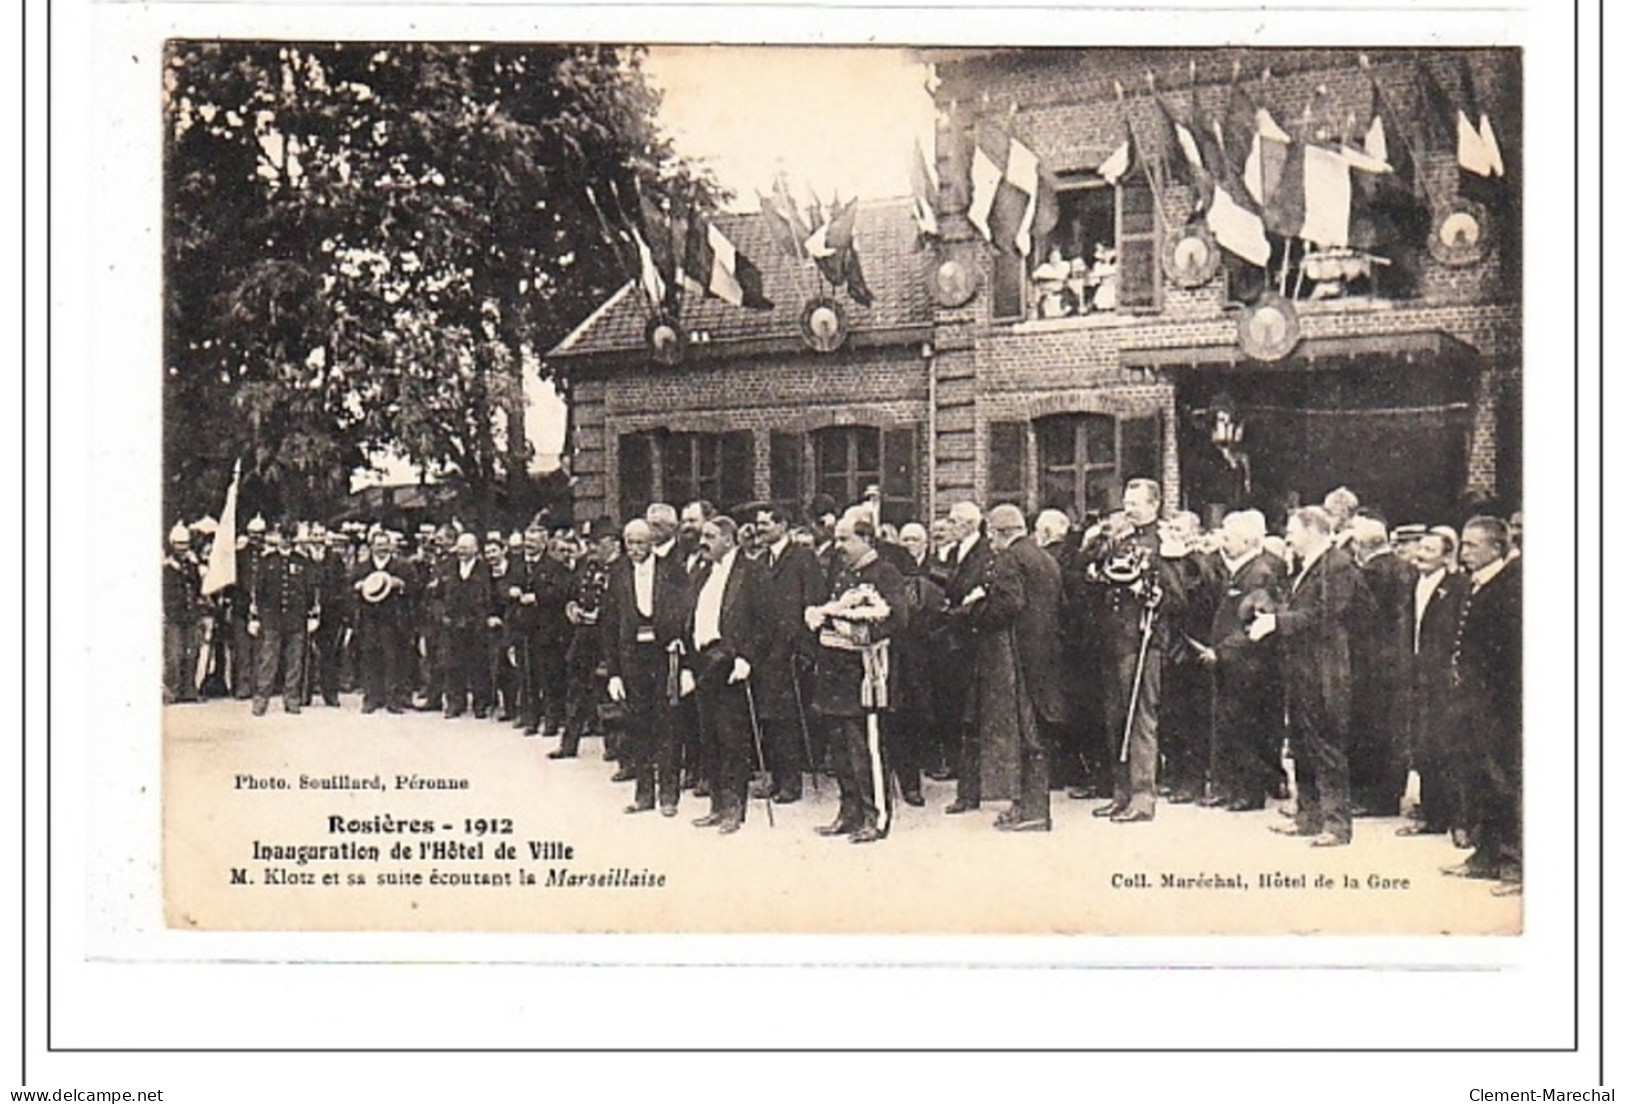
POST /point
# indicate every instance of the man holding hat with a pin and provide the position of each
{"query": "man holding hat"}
(282, 614)
(383, 582)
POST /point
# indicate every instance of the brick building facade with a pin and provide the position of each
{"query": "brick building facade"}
(1411, 395)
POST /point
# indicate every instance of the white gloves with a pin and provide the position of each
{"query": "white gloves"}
(617, 689)
(1262, 626)
(741, 670)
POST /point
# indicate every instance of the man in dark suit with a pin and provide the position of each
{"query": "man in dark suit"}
(240, 598)
(779, 681)
(1185, 727)
(183, 609)
(544, 590)
(968, 562)
(867, 606)
(1247, 681)
(1486, 676)
(1432, 613)
(914, 731)
(464, 604)
(282, 614)
(1381, 647)
(728, 614)
(384, 583)
(1322, 606)
(1018, 634)
(642, 625)
(333, 600)
(1143, 599)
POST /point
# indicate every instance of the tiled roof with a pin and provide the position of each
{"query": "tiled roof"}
(894, 266)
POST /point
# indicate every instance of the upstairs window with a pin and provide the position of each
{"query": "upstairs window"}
(1104, 256)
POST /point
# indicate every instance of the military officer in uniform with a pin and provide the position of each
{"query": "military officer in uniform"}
(1143, 597)
(282, 614)
(868, 604)
(183, 609)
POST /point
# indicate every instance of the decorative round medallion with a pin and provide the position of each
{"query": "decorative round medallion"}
(823, 324)
(665, 339)
(953, 284)
(1269, 329)
(1460, 234)
(1190, 255)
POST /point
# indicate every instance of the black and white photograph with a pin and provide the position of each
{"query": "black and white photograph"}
(937, 550)
(1066, 490)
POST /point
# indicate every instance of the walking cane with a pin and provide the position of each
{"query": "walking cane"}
(1139, 673)
(761, 759)
(304, 671)
(801, 716)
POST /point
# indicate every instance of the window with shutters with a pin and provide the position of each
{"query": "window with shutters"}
(1083, 460)
(1139, 247)
(681, 467)
(1007, 463)
(848, 460)
(691, 468)
(637, 475)
(784, 465)
(1103, 256)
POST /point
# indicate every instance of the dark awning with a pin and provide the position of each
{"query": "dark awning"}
(1312, 353)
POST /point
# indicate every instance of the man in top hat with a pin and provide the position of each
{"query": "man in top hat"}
(868, 604)
(383, 582)
(283, 611)
(183, 610)
(727, 616)
(1322, 606)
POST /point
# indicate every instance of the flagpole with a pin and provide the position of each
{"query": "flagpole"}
(1419, 167)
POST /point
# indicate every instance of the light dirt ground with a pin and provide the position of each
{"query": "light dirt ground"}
(934, 874)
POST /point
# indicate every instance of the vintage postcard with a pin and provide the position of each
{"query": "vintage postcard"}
(1042, 490)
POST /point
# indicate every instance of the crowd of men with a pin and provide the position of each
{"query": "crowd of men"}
(1136, 659)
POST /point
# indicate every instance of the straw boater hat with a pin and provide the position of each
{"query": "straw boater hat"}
(375, 587)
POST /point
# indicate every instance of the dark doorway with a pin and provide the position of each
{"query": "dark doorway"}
(1394, 430)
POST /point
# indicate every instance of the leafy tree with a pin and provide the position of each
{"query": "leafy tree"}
(365, 243)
